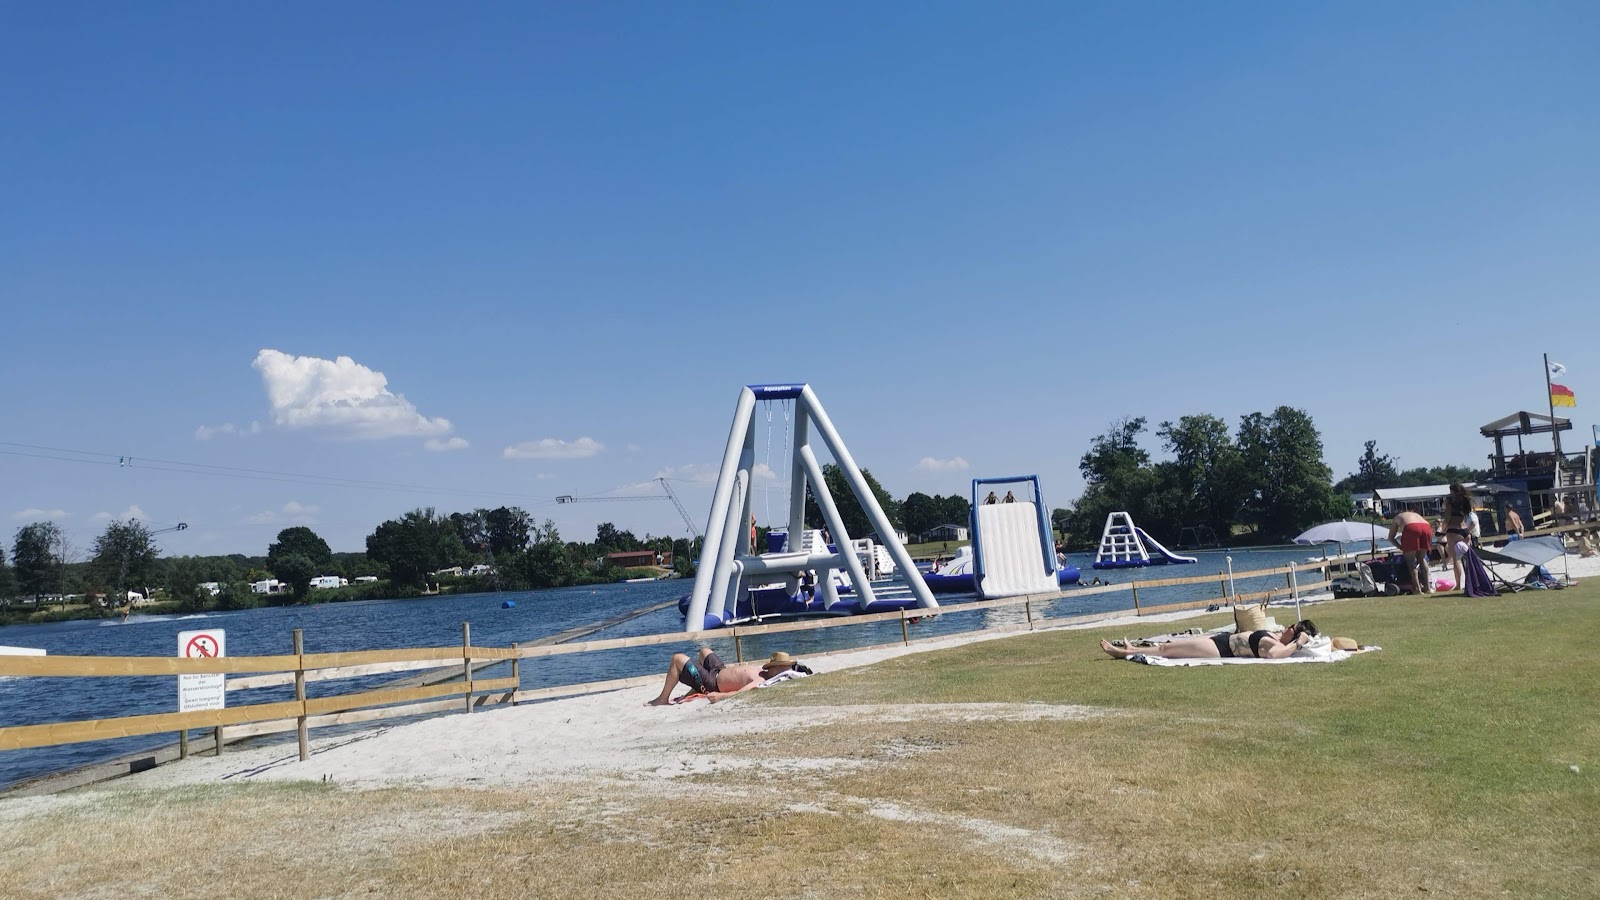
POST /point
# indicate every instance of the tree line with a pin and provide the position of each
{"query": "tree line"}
(516, 553)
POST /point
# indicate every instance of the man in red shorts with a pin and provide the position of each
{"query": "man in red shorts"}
(1414, 536)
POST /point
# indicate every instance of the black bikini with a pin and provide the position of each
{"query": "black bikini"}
(1255, 642)
(1223, 650)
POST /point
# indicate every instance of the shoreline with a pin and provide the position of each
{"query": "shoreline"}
(603, 734)
(610, 734)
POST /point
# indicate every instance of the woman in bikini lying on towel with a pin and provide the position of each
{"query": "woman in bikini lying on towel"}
(1259, 644)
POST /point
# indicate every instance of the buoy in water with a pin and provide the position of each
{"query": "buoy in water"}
(509, 604)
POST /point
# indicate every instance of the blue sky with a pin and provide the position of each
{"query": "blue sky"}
(565, 234)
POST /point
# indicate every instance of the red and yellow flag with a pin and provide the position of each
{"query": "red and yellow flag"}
(1561, 395)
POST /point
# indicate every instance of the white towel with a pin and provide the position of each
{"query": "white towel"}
(786, 675)
(1331, 656)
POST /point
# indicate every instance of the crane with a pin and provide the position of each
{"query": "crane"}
(694, 530)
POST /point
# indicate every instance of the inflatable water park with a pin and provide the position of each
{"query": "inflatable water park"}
(804, 572)
(1124, 545)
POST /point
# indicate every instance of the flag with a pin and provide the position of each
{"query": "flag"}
(1557, 370)
(1562, 396)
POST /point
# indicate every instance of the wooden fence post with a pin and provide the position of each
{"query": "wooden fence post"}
(300, 693)
(217, 734)
(738, 646)
(183, 744)
(1136, 598)
(466, 659)
(516, 673)
(1027, 607)
(905, 633)
(1223, 581)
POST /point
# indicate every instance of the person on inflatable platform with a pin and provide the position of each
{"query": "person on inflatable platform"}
(707, 674)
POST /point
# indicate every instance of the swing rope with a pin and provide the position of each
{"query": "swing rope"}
(766, 485)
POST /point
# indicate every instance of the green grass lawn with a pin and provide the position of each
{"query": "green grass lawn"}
(1467, 747)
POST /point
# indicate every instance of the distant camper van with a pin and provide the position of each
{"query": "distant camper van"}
(328, 581)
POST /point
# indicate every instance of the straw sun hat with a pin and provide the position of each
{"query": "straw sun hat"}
(779, 659)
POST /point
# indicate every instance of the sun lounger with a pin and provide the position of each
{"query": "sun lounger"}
(1534, 552)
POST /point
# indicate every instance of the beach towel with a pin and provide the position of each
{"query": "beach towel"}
(1329, 657)
(1475, 580)
(781, 677)
(696, 695)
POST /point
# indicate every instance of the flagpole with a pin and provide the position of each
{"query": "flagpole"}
(1555, 433)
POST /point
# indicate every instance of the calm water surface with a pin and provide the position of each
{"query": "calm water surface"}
(436, 622)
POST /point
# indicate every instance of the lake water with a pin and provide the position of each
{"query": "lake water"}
(436, 622)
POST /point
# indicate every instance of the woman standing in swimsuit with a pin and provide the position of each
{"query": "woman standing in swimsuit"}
(1259, 644)
(1457, 507)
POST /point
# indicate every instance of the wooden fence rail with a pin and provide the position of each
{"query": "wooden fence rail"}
(298, 669)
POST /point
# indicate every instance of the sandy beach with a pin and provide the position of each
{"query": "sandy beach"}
(615, 734)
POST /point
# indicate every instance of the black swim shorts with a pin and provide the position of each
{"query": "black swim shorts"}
(702, 679)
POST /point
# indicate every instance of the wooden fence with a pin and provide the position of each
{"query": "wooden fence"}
(466, 692)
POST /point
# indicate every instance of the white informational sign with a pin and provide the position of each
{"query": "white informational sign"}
(196, 692)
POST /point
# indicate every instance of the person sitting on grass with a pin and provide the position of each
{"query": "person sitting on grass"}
(1258, 644)
(708, 675)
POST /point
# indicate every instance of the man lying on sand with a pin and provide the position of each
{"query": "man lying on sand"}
(708, 675)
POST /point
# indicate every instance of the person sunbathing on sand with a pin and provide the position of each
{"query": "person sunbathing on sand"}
(708, 675)
(1259, 644)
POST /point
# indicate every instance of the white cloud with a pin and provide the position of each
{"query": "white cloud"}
(929, 464)
(441, 444)
(292, 513)
(207, 432)
(763, 472)
(694, 473)
(340, 396)
(551, 448)
(544, 476)
(132, 512)
(35, 513)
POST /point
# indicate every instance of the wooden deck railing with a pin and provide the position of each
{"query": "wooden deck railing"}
(299, 669)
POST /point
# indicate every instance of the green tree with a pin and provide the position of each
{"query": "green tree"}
(295, 570)
(610, 539)
(184, 575)
(8, 581)
(509, 529)
(955, 509)
(301, 541)
(853, 516)
(1374, 470)
(546, 563)
(1118, 478)
(1292, 485)
(1206, 480)
(919, 513)
(124, 556)
(36, 556)
(238, 595)
(415, 545)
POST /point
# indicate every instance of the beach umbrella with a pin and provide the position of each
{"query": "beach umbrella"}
(1344, 531)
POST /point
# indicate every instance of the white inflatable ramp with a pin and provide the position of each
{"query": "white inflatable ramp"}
(1160, 554)
(1124, 545)
(1013, 550)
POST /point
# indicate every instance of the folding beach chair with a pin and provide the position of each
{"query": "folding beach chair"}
(1535, 552)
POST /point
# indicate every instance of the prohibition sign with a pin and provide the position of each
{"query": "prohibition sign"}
(201, 646)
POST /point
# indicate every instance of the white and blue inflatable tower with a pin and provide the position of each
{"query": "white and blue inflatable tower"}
(728, 562)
